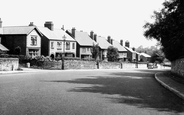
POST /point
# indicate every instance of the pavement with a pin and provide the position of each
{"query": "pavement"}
(171, 82)
(166, 79)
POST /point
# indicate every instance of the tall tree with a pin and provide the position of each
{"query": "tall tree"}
(96, 52)
(168, 28)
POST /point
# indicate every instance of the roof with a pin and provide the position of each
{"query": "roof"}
(102, 42)
(145, 55)
(130, 49)
(56, 34)
(3, 48)
(83, 39)
(118, 46)
(12, 30)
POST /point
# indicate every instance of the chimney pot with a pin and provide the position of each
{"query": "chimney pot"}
(31, 24)
(1, 23)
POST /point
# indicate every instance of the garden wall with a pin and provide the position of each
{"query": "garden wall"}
(177, 67)
(9, 64)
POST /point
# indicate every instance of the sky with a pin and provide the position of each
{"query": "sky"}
(120, 19)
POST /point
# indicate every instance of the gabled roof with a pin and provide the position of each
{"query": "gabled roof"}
(56, 34)
(145, 55)
(3, 48)
(83, 39)
(118, 46)
(18, 30)
(102, 42)
(130, 49)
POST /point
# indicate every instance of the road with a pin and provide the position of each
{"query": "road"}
(86, 92)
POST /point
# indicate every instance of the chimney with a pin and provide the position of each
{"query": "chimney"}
(49, 25)
(109, 39)
(91, 35)
(112, 41)
(127, 44)
(73, 33)
(63, 28)
(133, 49)
(95, 37)
(1, 22)
(121, 42)
(31, 24)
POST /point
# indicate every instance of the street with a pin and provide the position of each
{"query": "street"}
(87, 92)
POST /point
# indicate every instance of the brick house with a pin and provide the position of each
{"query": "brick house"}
(25, 38)
(56, 42)
(84, 43)
(131, 55)
(103, 44)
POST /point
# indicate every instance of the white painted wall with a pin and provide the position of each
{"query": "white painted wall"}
(29, 39)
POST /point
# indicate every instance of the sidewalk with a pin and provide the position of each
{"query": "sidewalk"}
(167, 80)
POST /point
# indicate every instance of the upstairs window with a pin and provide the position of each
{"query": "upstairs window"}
(59, 46)
(33, 40)
(67, 45)
(73, 46)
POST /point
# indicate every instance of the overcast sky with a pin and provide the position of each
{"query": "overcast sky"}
(121, 19)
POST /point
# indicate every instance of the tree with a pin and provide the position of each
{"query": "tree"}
(168, 28)
(18, 50)
(112, 53)
(157, 56)
(96, 52)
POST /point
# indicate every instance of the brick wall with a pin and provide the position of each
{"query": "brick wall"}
(9, 64)
(78, 64)
(177, 67)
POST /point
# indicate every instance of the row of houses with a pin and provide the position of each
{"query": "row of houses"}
(49, 41)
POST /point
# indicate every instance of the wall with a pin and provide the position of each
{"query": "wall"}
(110, 65)
(9, 64)
(79, 64)
(177, 67)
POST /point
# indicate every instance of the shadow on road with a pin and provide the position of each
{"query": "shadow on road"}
(133, 88)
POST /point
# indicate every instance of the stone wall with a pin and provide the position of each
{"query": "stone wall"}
(110, 65)
(9, 64)
(177, 67)
(79, 64)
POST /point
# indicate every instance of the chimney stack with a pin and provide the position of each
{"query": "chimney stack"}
(127, 44)
(73, 33)
(121, 42)
(49, 25)
(112, 41)
(1, 22)
(109, 39)
(31, 24)
(95, 37)
(91, 35)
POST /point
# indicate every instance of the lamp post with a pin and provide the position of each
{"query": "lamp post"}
(63, 55)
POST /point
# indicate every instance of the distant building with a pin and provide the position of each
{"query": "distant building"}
(144, 57)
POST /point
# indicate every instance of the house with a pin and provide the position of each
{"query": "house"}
(23, 40)
(84, 43)
(121, 50)
(144, 57)
(131, 55)
(56, 42)
(102, 43)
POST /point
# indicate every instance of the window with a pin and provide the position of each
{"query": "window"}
(88, 49)
(52, 45)
(33, 52)
(67, 45)
(59, 46)
(73, 46)
(83, 50)
(34, 40)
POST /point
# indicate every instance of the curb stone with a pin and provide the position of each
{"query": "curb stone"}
(175, 91)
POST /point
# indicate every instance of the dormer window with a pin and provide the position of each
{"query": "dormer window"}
(34, 40)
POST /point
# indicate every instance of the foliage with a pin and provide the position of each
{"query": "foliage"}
(18, 50)
(168, 28)
(112, 53)
(95, 52)
(147, 50)
(157, 57)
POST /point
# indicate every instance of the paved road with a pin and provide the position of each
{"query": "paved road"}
(97, 92)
